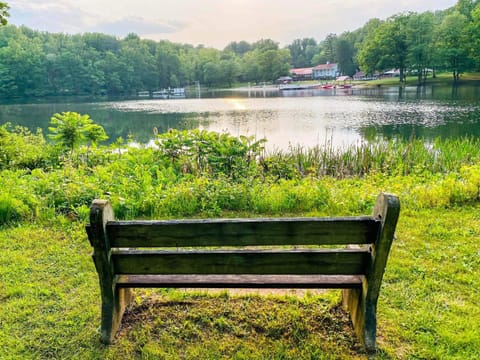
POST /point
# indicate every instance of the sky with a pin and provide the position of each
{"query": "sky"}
(213, 23)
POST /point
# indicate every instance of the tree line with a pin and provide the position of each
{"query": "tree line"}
(34, 63)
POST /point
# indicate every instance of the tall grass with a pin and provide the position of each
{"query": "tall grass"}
(390, 157)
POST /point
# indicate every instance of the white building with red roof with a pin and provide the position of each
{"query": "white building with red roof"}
(325, 71)
(301, 73)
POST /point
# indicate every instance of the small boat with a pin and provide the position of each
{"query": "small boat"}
(160, 94)
(328, 86)
(170, 93)
(143, 94)
(177, 93)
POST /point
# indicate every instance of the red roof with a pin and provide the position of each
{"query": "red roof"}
(301, 71)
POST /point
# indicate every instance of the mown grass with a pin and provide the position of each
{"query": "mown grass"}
(440, 78)
(428, 307)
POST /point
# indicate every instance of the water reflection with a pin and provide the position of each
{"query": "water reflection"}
(310, 117)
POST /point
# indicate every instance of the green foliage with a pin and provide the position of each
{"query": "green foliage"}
(205, 174)
(70, 129)
(200, 173)
(200, 151)
(18, 202)
(4, 13)
(452, 41)
(303, 51)
(12, 210)
(19, 148)
(443, 40)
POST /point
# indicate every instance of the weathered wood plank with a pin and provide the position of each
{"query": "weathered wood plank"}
(114, 300)
(241, 281)
(387, 211)
(325, 261)
(362, 304)
(244, 232)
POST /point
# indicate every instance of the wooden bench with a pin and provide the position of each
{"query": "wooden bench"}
(244, 253)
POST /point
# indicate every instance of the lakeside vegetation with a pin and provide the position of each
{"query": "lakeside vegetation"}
(50, 296)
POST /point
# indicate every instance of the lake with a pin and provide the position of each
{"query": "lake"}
(306, 118)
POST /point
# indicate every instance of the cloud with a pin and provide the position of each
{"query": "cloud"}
(68, 17)
(139, 25)
(52, 16)
(210, 22)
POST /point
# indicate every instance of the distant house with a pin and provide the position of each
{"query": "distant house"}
(301, 73)
(325, 71)
(284, 80)
(391, 73)
(360, 75)
(344, 78)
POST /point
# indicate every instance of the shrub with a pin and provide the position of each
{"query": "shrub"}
(19, 148)
(12, 210)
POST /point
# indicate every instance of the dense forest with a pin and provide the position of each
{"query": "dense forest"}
(34, 63)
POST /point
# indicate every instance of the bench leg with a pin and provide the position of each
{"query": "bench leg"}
(112, 313)
(363, 316)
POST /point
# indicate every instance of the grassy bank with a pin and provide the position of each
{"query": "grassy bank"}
(50, 299)
(439, 79)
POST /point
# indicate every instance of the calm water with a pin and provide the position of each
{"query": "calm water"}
(304, 118)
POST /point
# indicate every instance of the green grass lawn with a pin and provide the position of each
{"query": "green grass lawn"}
(428, 307)
(440, 78)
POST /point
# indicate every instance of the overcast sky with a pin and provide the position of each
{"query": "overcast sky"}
(211, 22)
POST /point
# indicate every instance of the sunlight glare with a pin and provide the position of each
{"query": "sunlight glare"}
(237, 104)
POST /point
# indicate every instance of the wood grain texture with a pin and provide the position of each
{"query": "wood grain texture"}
(244, 232)
(114, 300)
(242, 281)
(326, 262)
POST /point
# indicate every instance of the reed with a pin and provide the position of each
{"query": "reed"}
(390, 157)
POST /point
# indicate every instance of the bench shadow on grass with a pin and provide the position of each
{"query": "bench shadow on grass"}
(222, 325)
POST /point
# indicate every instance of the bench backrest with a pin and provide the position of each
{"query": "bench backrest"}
(239, 246)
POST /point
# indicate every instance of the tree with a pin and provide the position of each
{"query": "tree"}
(345, 54)
(70, 129)
(302, 51)
(387, 47)
(452, 43)
(394, 43)
(474, 36)
(168, 65)
(327, 50)
(95, 133)
(271, 63)
(465, 7)
(3, 13)
(265, 45)
(420, 43)
(368, 56)
(239, 48)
